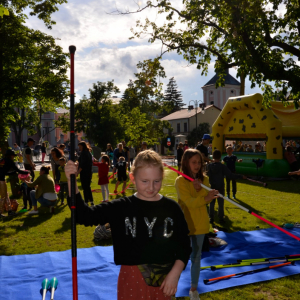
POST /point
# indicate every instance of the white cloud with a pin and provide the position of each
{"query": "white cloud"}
(104, 51)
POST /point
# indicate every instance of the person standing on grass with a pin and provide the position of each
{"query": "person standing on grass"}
(122, 176)
(132, 154)
(28, 157)
(126, 154)
(45, 193)
(56, 154)
(144, 146)
(193, 199)
(291, 159)
(186, 145)
(110, 153)
(230, 161)
(179, 155)
(202, 147)
(150, 234)
(63, 182)
(85, 169)
(7, 166)
(103, 169)
(118, 152)
(216, 173)
(43, 149)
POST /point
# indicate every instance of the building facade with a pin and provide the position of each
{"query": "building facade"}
(218, 96)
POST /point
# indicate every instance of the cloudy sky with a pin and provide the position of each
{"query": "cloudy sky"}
(104, 51)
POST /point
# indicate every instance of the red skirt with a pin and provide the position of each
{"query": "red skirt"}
(131, 285)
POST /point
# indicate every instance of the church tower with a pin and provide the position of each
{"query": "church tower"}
(218, 96)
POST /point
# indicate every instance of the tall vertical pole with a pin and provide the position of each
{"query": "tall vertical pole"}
(196, 108)
(72, 50)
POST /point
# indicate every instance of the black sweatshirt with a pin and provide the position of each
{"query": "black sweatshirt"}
(8, 166)
(216, 173)
(166, 242)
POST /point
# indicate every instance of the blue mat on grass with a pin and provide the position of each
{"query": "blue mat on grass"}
(21, 275)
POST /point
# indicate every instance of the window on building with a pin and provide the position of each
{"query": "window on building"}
(185, 127)
(178, 127)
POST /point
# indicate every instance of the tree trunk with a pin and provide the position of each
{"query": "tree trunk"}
(242, 89)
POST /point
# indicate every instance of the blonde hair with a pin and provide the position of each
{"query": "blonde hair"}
(121, 158)
(147, 158)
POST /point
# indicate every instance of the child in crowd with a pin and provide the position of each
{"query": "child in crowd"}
(121, 167)
(179, 155)
(150, 234)
(193, 200)
(26, 198)
(103, 168)
(230, 160)
(43, 149)
(63, 182)
(216, 173)
(290, 157)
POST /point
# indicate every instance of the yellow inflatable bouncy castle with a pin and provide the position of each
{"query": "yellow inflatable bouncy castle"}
(245, 118)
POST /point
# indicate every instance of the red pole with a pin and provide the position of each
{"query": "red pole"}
(72, 50)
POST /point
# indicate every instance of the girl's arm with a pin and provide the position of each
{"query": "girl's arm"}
(169, 285)
(33, 184)
(85, 215)
(183, 251)
(190, 197)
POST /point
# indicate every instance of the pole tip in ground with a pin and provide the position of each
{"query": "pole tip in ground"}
(72, 49)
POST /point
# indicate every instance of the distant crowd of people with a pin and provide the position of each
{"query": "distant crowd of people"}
(44, 188)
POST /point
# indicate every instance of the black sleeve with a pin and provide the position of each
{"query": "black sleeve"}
(95, 215)
(231, 175)
(184, 248)
(13, 166)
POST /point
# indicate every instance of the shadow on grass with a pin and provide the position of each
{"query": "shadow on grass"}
(108, 242)
(65, 226)
(286, 185)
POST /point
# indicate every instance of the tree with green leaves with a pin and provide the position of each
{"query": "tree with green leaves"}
(99, 119)
(146, 90)
(32, 68)
(259, 38)
(172, 97)
(142, 127)
(197, 133)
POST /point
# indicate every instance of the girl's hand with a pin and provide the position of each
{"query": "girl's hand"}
(169, 285)
(212, 194)
(70, 168)
(197, 185)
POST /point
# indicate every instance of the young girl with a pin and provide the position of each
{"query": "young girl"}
(193, 200)
(103, 168)
(149, 232)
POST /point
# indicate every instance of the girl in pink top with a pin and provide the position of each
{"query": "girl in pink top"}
(103, 169)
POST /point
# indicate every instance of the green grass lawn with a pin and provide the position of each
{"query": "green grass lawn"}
(279, 203)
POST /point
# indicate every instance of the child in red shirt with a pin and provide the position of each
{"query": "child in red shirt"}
(103, 168)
